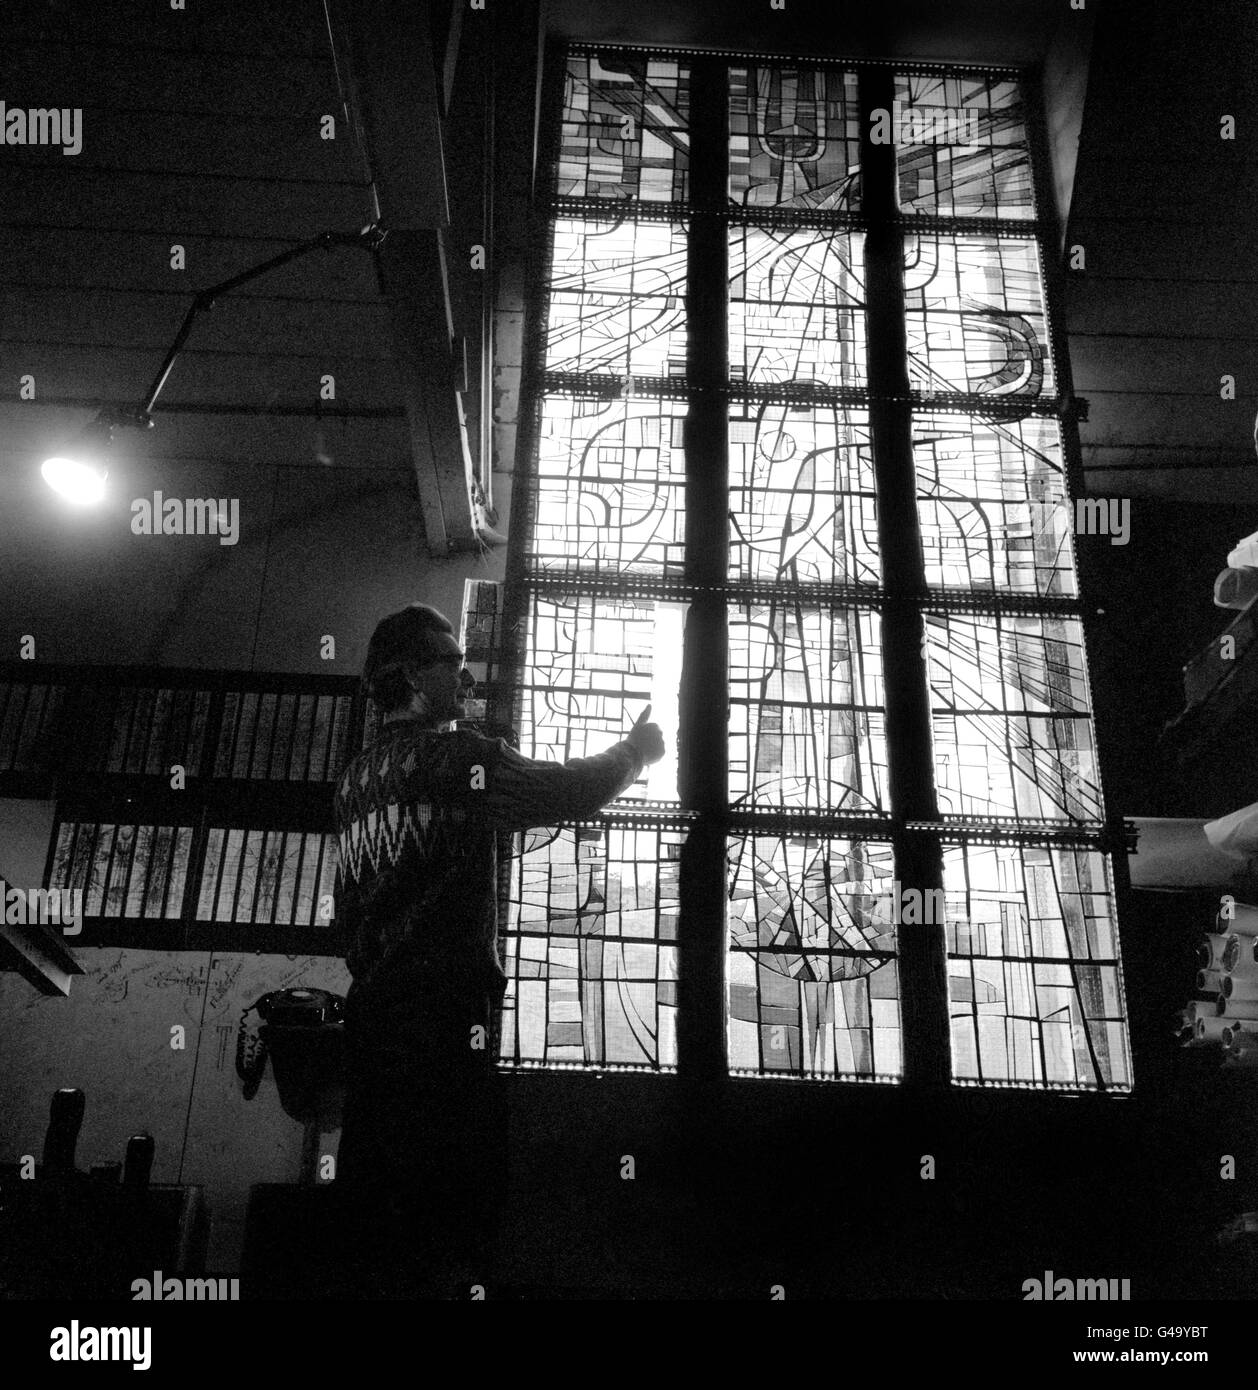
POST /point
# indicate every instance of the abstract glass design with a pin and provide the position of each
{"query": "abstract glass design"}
(616, 299)
(132, 871)
(1034, 976)
(593, 664)
(794, 139)
(148, 729)
(142, 870)
(1012, 727)
(292, 736)
(610, 487)
(813, 989)
(480, 637)
(806, 723)
(961, 146)
(816, 454)
(624, 128)
(975, 316)
(801, 495)
(271, 877)
(796, 306)
(27, 710)
(102, 728)
(993, 506)
(591, 959)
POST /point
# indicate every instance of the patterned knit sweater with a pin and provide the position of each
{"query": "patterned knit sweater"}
(418, 814)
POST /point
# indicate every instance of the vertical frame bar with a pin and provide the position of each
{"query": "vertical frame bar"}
(922, 965)
(703, 734)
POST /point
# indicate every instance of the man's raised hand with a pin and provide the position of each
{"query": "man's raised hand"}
(648, 739)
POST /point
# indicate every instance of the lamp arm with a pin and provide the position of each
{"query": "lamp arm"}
(369, 238)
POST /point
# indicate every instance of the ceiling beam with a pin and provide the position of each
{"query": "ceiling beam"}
(390, 81)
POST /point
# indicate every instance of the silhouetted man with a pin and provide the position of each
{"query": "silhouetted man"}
(421, 1156)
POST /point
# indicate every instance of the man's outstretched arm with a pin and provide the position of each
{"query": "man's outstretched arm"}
(523, 792)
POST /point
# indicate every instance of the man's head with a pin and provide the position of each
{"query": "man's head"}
(415, 666)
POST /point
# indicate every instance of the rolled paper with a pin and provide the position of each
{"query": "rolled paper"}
(1236, 987)
(1210, 952)
(1239, 961)
(1235, 1008)
(1176, 853)
(1236, 587)
(1243, 1030)
(1210, 1029)
(1231, 952)
(1209, 981)
(1243, 921)
(1188, 1016)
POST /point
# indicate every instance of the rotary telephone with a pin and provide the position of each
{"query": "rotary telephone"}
(282, 1008)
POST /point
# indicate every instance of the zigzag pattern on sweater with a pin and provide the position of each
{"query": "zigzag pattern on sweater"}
(381, 836)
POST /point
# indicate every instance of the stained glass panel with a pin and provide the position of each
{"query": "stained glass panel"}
(806, 728)
(813, 989)
(794, 139)
(616, 299)
(961, 146)
(975, 316)
(993, 506)
(592, 665)
(1035, 978)
(610, 487)
(130, 871)
(272, 877)
(796, 306)
(102, 728)
(151, 729)
(293, 736)
(590, 959)
(624, 128)
(1013, 733)
(801, 495)
(480, 636)
(27, 711)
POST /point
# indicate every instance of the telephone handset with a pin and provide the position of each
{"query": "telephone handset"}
(282, 1008)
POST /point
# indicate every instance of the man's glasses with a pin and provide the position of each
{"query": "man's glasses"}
(454, 662)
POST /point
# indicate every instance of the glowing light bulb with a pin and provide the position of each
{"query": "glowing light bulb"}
(78, 482)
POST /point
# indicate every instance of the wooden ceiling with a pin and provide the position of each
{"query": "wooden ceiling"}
(202, 130)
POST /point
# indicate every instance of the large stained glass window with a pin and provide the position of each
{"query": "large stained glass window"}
(798, 479)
